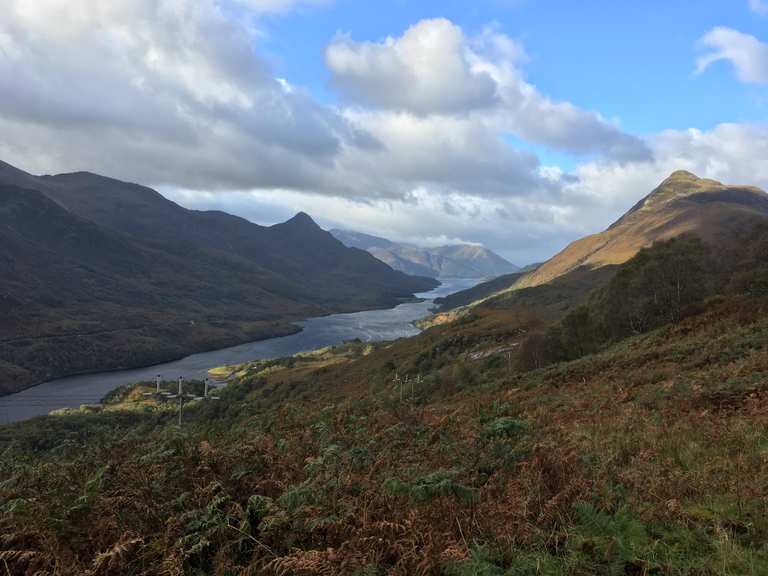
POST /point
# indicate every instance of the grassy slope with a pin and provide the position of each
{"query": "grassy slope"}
(682, 203)
(647, 458)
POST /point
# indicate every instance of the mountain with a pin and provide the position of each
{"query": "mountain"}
(102, 274)
(716, 212)
(681, 203)
(456, 261)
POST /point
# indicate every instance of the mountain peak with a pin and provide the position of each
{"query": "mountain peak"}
(681, 175)
(678, 185)
(681, 203)
(300, 223)
(303, 219)
(683, 183)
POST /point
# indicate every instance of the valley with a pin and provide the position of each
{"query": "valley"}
(334, 288)
(100, 274)
(367, 326)
(608, 420)
(453, 261)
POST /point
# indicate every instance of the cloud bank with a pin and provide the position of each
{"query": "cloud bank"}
(161, 92)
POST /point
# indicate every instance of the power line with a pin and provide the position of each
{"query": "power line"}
(52, 402)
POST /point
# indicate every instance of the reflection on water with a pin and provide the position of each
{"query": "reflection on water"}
(372, 325)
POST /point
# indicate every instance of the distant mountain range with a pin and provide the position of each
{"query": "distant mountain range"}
(456, 261)
(683, 202)
(103, 274)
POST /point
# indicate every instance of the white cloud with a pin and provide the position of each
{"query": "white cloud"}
(168, 91)
(747, 54)
(278, 6)
(173, 93)
(434, 69)
(448, 153)
(759, 7)
(424, 71)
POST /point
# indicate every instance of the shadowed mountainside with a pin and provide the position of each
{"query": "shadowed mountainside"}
(102, 274)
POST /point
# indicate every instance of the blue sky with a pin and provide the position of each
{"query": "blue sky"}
(519, 124)
(630, 60)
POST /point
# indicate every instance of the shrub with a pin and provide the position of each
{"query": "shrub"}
(505, 427)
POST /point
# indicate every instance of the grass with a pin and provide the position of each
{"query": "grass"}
(648, 458)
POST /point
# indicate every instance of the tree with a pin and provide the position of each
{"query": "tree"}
(661, 284)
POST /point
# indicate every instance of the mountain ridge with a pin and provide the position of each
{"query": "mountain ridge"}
(458, 260)
(681, 203)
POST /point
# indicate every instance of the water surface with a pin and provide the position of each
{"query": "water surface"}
(371, 326)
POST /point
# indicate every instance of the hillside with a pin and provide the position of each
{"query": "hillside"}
(478, 292)
(100, 274)
(484, 290)
(646, 455)
(306, 261)
(456, 261)
(682, 203)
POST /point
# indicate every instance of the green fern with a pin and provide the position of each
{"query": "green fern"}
(480, 563)
(612, 541)
(88, 495)
(431, 486)
(297, 497)
(207, 524)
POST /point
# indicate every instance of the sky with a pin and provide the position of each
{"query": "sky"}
(518, 124)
